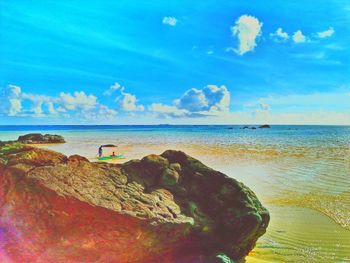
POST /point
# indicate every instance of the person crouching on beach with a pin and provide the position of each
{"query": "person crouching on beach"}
(100, 152)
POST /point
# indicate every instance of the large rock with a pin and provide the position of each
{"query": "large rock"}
(38, 138)
(167, 208)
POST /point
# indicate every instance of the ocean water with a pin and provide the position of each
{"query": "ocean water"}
(300, 173)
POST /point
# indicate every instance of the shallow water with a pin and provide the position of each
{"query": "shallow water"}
(300, 173)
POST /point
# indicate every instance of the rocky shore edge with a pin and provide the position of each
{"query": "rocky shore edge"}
(162, 208)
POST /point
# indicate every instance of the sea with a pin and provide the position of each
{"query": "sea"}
(301, 174)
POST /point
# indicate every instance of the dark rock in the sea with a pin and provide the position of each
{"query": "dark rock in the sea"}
(264, 126)
(248, 127)
(163, 208)
(38, 138)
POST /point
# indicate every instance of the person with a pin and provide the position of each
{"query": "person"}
(113, 154)
(100, 152)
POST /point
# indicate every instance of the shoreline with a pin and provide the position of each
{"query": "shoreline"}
(44, 144)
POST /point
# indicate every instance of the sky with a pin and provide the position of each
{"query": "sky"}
(174, 62)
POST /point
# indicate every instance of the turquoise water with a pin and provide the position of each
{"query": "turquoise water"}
(314, 137)
(300, 173)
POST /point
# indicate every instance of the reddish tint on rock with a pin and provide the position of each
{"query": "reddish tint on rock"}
(163, 208)
(37, 225)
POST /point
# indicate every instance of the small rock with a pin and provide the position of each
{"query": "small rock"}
(264, 126)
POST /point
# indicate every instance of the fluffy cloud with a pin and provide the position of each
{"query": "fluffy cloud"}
(37, 102)
(326, 33)
(209, 101)
(298, 37)
(77, 105)
(11, 102)
(210, 98)
(169, 20)
(102, 113)
(126, 101)
(14, 102)
(112, 89)
(167, 110)
(279, 35)
(246, 29)
(77, 101)
(50, 107)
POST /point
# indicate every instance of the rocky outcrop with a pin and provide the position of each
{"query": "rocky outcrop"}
(264, 126)
(163, 208)
(37, 138)
(248, 127)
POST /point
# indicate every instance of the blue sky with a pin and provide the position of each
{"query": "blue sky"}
(137, 62)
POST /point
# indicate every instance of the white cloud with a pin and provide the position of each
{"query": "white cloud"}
(77, 105)
(326, 33)
(193, 100)
(128, 101)
(279, 35)
(77, 101)
(169, 20)
(36, 108)
(247, 29)
(15, 107)
(167, 110)
(61, 109)
(37, 103)
(50, 107)
(102, 113)
(112, 89)
(11, 102)
(104, 110)
(298, 37)
(264, 106)
(209, 101)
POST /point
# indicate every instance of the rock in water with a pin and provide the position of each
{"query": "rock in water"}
(163, 208)
(264, 126)
(38, 138)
